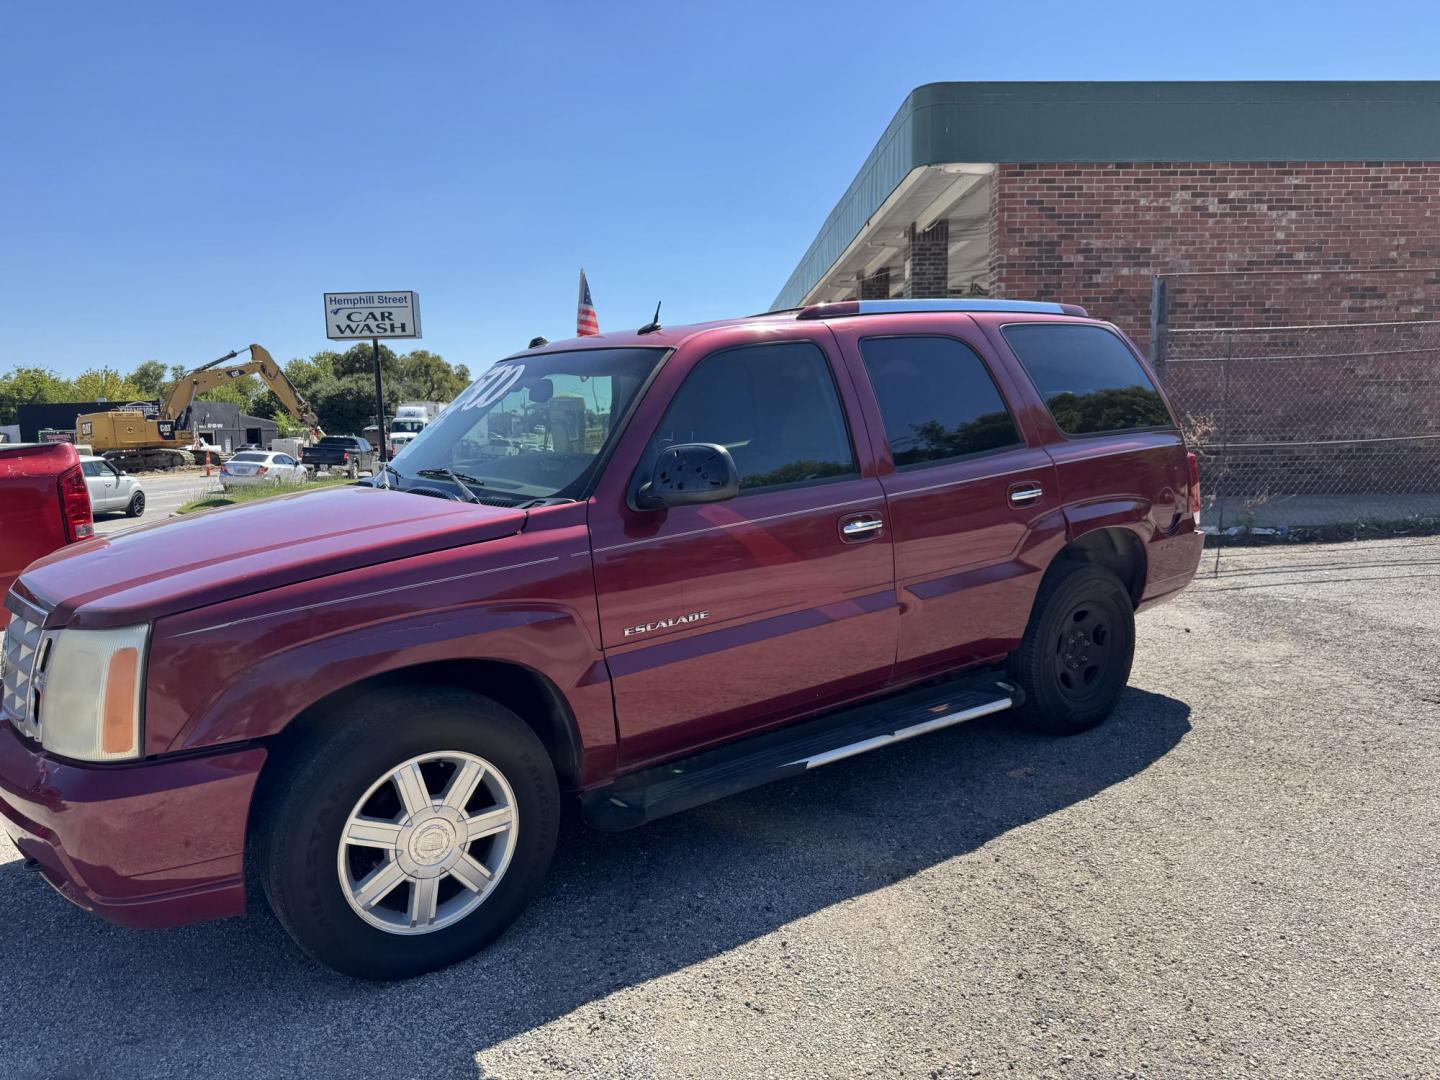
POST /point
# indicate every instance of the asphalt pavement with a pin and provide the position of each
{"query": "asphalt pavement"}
(1237, 875)
(164, 494)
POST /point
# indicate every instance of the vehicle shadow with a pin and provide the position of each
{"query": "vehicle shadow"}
(88, 999)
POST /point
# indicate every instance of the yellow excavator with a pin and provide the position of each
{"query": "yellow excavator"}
(137, 437)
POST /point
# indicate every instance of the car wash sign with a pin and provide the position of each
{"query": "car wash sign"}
(372, 315)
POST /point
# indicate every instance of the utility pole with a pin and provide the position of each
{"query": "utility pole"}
(383, 448)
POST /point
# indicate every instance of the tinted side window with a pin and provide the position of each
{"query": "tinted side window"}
(1090, 381)
(774, 407)
(937, 398)
(90, 468)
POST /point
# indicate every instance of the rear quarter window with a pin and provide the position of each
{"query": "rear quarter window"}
(1090, 381)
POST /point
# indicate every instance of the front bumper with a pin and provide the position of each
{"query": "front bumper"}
(156, 843)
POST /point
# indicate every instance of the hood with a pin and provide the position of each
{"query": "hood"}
(222, 554)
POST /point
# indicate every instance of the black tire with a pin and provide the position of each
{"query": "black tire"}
(1074, 660)
(137, 505)
(307, 802)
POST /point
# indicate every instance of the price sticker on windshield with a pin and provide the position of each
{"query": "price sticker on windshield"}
(494, 385)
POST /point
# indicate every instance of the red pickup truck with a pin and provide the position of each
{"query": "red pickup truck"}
(44, 505)
(643, 569)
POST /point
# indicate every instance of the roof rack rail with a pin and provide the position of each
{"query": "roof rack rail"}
(895, 307)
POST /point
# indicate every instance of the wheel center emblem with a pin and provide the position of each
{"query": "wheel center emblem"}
(432, 843)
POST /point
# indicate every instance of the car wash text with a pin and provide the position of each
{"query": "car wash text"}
(372, 315)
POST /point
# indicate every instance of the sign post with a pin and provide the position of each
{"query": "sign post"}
(383, 450)
(376, 315)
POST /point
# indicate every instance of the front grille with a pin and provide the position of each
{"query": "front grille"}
(20, 662)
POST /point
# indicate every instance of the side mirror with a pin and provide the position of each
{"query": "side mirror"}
(687, 474)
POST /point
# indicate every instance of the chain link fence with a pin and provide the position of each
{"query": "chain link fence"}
(1308, 430)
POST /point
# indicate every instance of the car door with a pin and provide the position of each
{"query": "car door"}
(123, 485)
(973, 502)
(728, 617)
(100, 482)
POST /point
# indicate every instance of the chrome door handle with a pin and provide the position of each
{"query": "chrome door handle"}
(1022, 494)
(862, 528)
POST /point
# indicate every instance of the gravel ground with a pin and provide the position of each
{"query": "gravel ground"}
(1238, 875)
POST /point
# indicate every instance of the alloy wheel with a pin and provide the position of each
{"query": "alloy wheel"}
(427, 842)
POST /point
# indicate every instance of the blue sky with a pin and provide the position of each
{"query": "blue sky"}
(182, 179)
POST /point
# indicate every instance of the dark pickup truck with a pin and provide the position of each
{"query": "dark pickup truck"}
(640, 570)
(349, 452)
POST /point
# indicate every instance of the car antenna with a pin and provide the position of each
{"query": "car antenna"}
(536, 342)
(654, 324)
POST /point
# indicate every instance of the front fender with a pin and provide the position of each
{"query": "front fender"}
(243, 670)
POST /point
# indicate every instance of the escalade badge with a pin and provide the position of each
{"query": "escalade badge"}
(663, 624)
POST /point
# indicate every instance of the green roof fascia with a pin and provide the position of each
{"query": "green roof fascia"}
(1024, 122)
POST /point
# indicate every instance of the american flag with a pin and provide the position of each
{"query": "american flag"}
(586, 324)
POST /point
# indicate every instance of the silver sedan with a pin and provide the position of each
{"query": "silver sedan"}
(252, 467)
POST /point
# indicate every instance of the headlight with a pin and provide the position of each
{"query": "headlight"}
(90, 705)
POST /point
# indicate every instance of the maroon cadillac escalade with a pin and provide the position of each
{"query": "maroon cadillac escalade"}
(644, 570)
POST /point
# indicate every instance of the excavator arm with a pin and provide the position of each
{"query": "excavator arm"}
(187, 389)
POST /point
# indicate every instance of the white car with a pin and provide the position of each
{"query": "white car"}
(111, 488)
(261, 467)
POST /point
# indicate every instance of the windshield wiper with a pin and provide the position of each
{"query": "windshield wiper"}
(458, 479)
(387, 467)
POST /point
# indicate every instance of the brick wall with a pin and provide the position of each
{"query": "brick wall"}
(876, 286)
(1094, 234)
(927, 260)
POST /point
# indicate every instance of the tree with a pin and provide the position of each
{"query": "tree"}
(30, 386)
(305, 373)
(345, 405)
(240, 391)
(932, 440)
(427, 377)
(1108, 410)
(149, 377)
(105, 384)
(287, 427)
(267, 405)
(360, 360)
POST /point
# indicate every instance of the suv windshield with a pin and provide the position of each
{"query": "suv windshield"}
(406, 427)
(532, 427)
